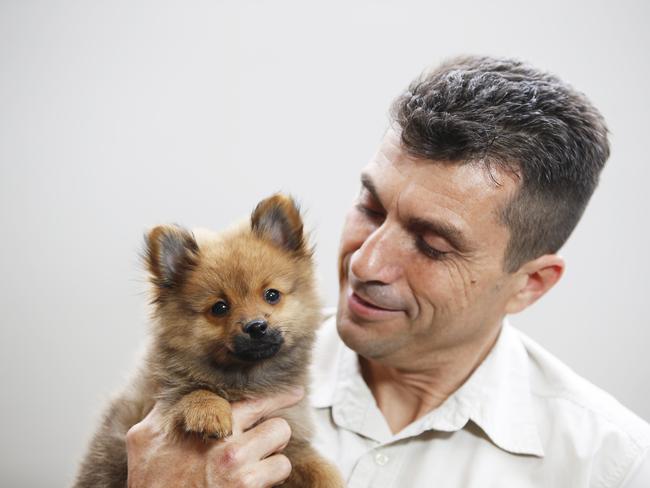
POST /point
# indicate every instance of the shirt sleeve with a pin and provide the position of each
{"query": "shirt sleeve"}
(640, 477)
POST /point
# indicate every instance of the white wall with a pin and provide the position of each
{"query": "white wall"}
(115, 116)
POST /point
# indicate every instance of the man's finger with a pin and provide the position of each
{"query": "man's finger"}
(269, 472)
(264, 439)
(247, 413)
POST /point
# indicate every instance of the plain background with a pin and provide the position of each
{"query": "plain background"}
(116, 116)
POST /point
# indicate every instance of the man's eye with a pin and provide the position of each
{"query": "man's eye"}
(370, 212)
(427, 250)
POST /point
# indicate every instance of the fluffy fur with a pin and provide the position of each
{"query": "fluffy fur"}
(220, 335)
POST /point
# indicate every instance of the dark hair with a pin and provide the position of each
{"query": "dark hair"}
(505, 112)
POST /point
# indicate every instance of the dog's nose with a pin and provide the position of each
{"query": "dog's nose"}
(256, 328)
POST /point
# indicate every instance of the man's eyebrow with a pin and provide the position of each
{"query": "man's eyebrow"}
(367, 183)
(445, 230)
(418, 225)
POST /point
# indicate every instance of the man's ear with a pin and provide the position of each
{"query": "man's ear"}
(277, 219)
(535, 278)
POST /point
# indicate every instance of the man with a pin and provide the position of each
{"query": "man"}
(485, 171)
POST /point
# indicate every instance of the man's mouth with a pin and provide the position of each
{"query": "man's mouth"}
(363, 306)
(369, 304)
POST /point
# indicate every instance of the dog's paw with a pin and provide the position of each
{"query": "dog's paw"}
(206, 415)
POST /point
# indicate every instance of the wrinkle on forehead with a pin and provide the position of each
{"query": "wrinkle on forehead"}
(463, 195)
(460, 186)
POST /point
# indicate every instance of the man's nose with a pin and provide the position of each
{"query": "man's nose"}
(379, 257)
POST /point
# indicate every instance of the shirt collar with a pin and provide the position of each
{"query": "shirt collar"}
(496, 397)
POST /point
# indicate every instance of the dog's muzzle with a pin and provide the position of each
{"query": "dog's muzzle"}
(258, 342)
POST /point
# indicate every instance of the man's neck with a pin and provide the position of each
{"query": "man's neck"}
(405, 395)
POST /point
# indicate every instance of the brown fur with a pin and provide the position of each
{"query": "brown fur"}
(194, 366)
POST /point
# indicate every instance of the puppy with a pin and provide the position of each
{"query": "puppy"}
(234, 317)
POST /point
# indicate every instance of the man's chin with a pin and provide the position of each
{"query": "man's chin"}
(365, 339)
(351, 333)
(356, 331)
(358, 335)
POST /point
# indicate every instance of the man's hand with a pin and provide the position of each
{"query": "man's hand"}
(249, 458)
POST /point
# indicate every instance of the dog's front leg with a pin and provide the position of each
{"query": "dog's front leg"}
(201, 413)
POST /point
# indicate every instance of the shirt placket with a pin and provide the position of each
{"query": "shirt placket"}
(355, 410)
(378, 468)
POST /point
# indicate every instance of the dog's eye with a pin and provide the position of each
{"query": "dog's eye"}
(220, 308)
(272, 296)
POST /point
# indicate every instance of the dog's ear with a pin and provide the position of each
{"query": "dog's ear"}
(277, 219)
(170, 251)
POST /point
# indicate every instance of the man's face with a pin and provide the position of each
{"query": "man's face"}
(421, 257)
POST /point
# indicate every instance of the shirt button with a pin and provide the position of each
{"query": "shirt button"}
(381, 459)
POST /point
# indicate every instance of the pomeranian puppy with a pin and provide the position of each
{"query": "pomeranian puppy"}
(234, 317)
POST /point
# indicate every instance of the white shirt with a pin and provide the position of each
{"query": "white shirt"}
(522, 419)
